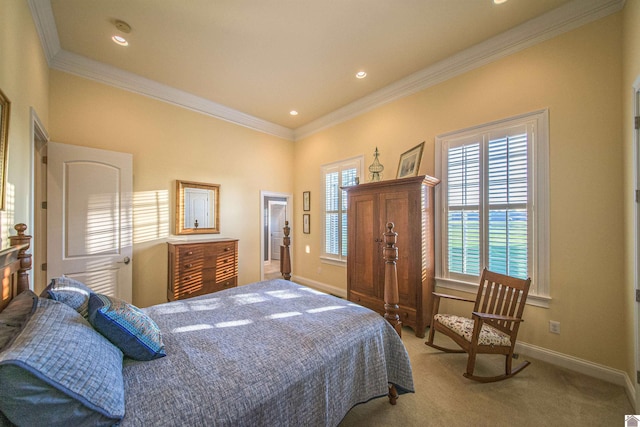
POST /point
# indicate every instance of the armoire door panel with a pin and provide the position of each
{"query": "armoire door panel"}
(360, 254)
(395, 209)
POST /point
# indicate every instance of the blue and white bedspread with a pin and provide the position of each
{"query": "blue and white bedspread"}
(272, 353)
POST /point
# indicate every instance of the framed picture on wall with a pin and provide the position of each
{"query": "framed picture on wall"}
(306, 224)
(306, 201)
(410, 161)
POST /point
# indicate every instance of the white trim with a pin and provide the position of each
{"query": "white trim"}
(356, 162)
(556, 22)
(288, 217)
(270, 206)
(81, 66)
(561, 20)
(103, 73)
(539, 168)
(595, 370)
(341, 293)
(45, 23)
(37, 133)
(585, 367)
(333, 261)
(472, 289)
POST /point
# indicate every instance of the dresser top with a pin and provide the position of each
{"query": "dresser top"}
(197, 242)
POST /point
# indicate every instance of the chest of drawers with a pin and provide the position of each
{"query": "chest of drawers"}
(198, 268)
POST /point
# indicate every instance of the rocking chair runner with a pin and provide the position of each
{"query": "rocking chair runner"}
(493, 328)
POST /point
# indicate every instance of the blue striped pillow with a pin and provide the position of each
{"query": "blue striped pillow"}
(126, 326)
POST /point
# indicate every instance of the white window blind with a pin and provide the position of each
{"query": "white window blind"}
(493, 201)
(336, 175)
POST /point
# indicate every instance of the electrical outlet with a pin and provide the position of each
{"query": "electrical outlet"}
(554, 327)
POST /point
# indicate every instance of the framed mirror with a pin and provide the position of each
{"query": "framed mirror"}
(197, 208)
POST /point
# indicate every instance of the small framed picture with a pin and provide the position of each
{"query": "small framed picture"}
(306, 201)
(410, 161)
(306, 224)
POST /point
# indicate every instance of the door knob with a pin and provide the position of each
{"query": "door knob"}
(126, 260)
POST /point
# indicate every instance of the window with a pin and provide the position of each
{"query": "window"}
(493, 202)
(334, 176)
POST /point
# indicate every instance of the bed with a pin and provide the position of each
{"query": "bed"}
(263, 354)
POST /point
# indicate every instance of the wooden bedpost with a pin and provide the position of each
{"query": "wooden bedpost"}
(23, 242)
(391, 296)
(285, 256)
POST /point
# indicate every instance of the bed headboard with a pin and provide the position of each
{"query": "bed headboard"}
(16, 263)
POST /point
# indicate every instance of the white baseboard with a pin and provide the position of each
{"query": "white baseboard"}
(342, 293)
(595, 370)
(605, 373)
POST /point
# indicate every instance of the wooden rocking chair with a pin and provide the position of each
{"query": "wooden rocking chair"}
(493, 328)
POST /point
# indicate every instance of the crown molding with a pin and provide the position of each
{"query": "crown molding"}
(87, 68)
(561, 20)
(42, 14)
(547, 26)
(81, 66)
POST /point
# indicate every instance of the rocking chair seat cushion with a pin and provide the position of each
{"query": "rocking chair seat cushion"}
(463, 326)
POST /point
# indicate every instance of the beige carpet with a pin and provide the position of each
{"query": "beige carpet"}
(541, 395)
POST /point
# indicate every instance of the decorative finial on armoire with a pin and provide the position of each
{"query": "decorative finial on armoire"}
(375, 170)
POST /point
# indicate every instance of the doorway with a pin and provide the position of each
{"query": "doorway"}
(275, 208)
(39, 139)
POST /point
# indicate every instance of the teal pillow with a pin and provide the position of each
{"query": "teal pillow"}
(71, 292)
(126, 326)
(59, 371)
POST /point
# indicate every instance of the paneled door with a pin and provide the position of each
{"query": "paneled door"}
(277, 213)
(89, 217)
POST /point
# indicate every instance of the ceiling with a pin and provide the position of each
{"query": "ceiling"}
(253, 61)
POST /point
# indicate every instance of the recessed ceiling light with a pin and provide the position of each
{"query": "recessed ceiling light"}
(499, 1)
(122, 27)
(120, 40)
(361, 74)
(293, 112)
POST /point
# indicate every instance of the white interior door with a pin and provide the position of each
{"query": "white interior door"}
(277, 212)
(197, 216)
(89, 217)
(266, 226)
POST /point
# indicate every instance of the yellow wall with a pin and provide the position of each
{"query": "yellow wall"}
(630, 75)
(577, 77)
(583, 77)
(24, 79)
(169, 143)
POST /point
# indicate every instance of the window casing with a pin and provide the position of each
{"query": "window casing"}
(334, 176)
(492, 203)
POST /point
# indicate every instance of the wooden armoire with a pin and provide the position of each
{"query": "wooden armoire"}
(408, 204)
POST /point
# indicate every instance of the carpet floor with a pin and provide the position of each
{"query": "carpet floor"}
(540, 395)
